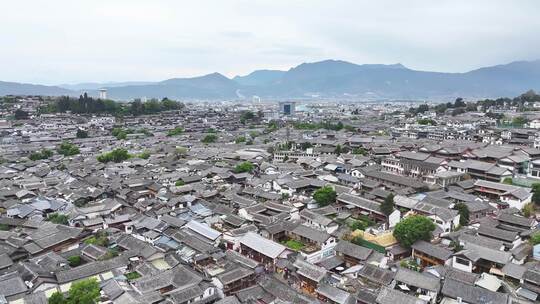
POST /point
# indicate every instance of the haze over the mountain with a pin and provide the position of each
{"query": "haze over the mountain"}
(324, 79)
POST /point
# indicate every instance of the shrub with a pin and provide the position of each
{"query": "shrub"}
(176, 131)
(132, 275)
(210, 138)
(58, 218)
(68, 149)
(74, 260)
(244, 167)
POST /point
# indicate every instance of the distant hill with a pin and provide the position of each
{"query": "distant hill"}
(211, 86)
(329, 78)
(15, 88)
(88, 86)
(260, 77)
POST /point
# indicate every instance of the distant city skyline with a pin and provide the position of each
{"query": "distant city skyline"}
(58, 42)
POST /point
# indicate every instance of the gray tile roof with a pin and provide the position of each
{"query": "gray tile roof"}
(432, 250)
(472, 294)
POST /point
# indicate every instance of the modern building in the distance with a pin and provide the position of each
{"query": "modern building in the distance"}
(287, 107)
(102, 93)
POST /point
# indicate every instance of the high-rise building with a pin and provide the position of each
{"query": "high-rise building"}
(287, 107)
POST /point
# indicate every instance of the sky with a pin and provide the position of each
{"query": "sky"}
(67, 41)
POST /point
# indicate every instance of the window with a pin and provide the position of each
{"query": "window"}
(462, 261)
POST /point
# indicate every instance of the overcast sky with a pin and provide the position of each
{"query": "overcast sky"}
(70, 41)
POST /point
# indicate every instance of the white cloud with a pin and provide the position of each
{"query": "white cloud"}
(97, 40)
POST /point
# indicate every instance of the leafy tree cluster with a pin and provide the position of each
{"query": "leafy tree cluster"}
(359, 151)
(100, 239)
(58, 218)
(68, 149)
(111, 253)
(321, 125)
(528, 210)
(519, 121)
(132, 275)
(20, 114)
(412, 229)
(120, 133)
(179, 183)
(536, 193)
(272, 126)
(246, 116)
(176, 131)
(116, 155)
(508, 181)
(88, 105)
(426, 121)
(419, 110)
(387, 205)
(459, 106)
(74, 260)
(152, 106)
(81, 292)
(43, 154)
(535, 239)
(144, 155)
(240, 139)
(305, 145)
(244, 167)
(362, 223)
(209, 138)
(325, 196)
(464, 213)
(82, 133)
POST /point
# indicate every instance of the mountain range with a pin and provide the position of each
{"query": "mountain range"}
(324, 79)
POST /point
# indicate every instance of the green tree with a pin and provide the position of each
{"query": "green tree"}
(519, 121)
(245, 116)
(244, 167)
(84, 292)
(43, 154)
(74, 260)
(387, 205)
(68, 149)
(144, 155)
(117, 155)
(508, 181)
(82, 133)
(536, 193)
(210, 138)
(338, 150)
(463, 211)
(240, 139)
(57, 298)
(412, 229)
(100, 239)
(176, 131)
(359, 151)
(58, 218)
(535, 239)
(81, 292)
(325, 196)
(179, 183)
(528, 210)
(426, 121)
(20, 114)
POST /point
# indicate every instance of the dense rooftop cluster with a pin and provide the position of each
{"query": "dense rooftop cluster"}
(237, 203)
